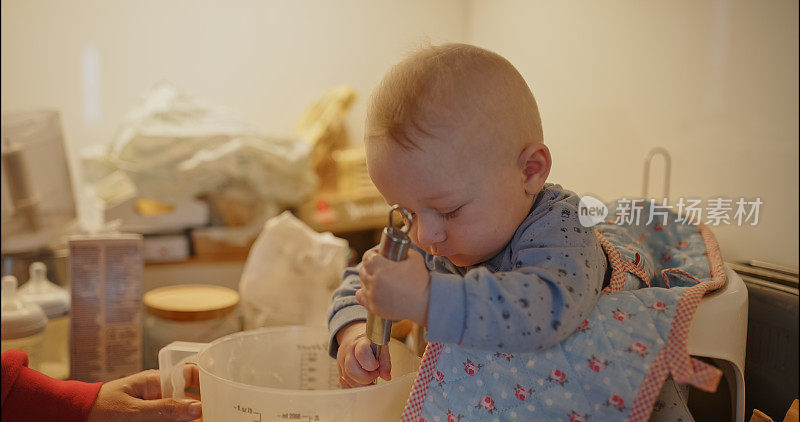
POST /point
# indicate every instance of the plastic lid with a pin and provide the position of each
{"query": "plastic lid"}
(191, 302)
(53, 299)
(19, 318)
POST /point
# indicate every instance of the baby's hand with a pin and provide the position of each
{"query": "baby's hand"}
(395, 290)
(357, 364)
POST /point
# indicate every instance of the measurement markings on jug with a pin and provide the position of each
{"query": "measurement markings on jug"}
(256, 416)
(312, 347)
(307, 370)
(298, 417)
(309, 360)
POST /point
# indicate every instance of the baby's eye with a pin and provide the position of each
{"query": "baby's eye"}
(452, 214)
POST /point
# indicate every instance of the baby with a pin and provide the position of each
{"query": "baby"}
(500, 261)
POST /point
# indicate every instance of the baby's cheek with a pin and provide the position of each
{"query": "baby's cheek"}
(415, 239)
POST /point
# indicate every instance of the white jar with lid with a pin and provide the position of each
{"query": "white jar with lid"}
(23, 323)
(191, 312)
(55, 302)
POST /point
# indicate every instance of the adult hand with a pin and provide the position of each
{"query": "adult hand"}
(138, 398)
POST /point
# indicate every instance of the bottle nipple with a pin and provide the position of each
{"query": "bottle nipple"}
(54, 299)
(9, 287)
(10, 300)
(38, 272)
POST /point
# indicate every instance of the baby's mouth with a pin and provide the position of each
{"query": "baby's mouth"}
(436, 251)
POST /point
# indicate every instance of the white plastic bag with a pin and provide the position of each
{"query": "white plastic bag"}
(172, 146)
(290, 274)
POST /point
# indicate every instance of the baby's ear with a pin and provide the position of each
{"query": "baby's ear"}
(534, 163)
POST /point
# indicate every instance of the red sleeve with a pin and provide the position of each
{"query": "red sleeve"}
(32, 396)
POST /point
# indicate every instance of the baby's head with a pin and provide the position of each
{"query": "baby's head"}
(453, 134)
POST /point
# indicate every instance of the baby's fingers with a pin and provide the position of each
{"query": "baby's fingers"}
(386, 364)
(368, 260)
(355, 375)
(346, 382)
(365, 356)
(361, 297)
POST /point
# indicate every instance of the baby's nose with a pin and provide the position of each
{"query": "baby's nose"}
(430, 231)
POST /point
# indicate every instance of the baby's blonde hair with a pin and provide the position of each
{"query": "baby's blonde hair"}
(438, 84)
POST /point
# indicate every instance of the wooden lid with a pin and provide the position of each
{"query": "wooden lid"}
(191, 302)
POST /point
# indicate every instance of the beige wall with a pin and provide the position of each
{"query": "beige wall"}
(266, 59)
(715, 82)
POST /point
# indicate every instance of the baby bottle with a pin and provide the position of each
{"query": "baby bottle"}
(23, 323)
(55, 301)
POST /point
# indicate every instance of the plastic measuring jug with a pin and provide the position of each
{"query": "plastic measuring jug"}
(283, 373)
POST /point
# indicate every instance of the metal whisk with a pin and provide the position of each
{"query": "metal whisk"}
(394, 245)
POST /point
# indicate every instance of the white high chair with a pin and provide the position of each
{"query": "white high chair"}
(719, 332)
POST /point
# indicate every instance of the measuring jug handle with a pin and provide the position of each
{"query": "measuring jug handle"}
(170, 366)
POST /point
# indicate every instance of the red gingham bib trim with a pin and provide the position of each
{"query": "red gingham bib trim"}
(420, 388)
(674, 357)
(619, 266)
